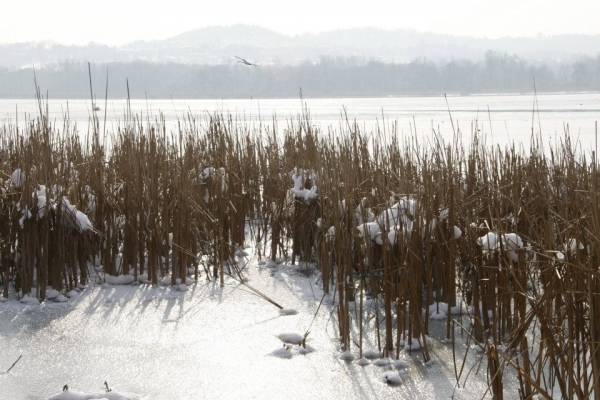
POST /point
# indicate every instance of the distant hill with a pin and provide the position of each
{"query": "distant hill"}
(219, 45)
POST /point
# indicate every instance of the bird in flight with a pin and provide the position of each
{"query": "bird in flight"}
(245, 62)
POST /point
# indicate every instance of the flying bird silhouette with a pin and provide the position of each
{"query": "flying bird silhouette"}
(245, 62)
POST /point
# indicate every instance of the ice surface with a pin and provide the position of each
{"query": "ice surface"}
(205, 343)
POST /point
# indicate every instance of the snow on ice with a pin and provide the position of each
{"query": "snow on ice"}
(75, 395)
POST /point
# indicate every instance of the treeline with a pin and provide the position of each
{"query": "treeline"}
(330, 77)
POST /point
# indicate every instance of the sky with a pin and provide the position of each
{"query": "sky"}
(116, 22)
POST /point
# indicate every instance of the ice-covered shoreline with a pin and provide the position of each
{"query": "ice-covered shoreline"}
(207, 342)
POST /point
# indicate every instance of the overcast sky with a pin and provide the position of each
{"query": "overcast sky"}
(121, 21)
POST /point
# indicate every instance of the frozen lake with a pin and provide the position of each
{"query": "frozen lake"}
(503, 118)
(206, 343)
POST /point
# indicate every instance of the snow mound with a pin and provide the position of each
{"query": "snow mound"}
(287, 311)
(75, 395)
(438, 316)
(31, 300)
(572, 246)
(347, 356)
(165, 280)
(60, 299)
(456, 232)
(363, 362)
(392, 378)
(51, 293)
(284, 352)
(42, 200)
(307, 349)
(508, 242)
(371, 354)
(363, 213)
(405, 207)
(458, 309)
(400, 364)
(370, 230)
(119, 279)
(291, 338)
(241, 253)
(290, 350)
(83, 222)
(382, 362)
(299, 191)
(438, 311)
(17, 178)
(414, 345)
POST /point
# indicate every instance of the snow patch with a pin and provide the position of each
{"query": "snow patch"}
(60, 299)
(370, 230)
(347, 356)
(287, 311)
(31, 300)
(456, 232)
(392, 378)
(371, 354)
(363, 362)
(182, 287)
(119, 279)
(51, 293)
(438, 315)
(291, 338)
(284, 352)
(75, 395)
(17, 178)
(382, 362)
(508, 242)
(414, 345)
(400, 364)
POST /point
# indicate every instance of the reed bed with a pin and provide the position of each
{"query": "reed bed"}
(501, 244)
